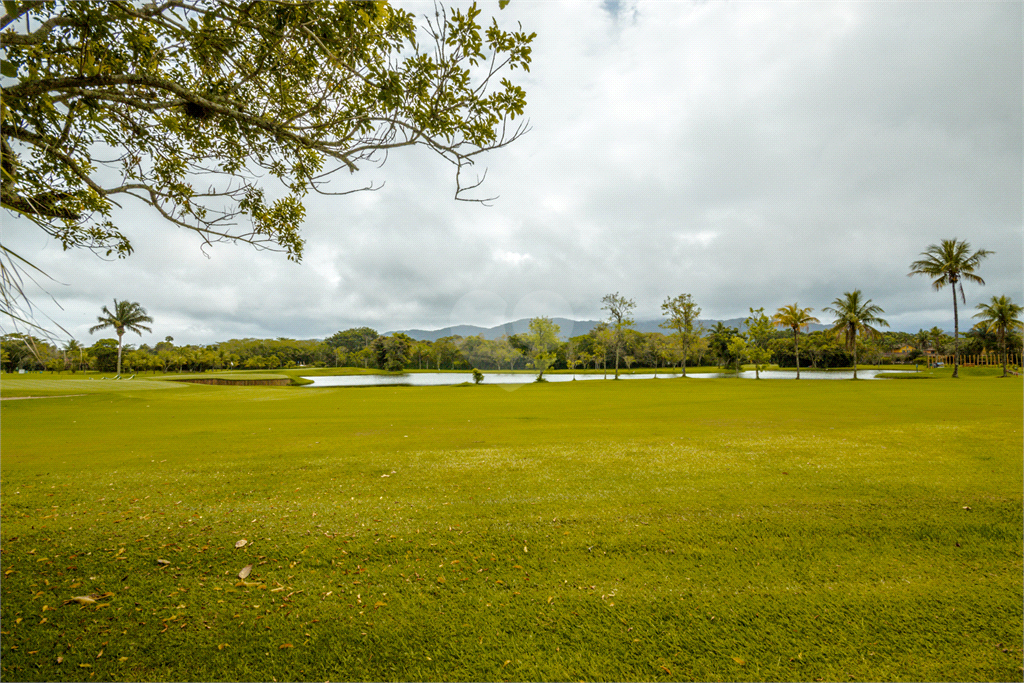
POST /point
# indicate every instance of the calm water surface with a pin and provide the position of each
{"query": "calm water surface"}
(427, 379)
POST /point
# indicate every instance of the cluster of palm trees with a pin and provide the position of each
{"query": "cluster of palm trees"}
(949, 263)
(853, 315)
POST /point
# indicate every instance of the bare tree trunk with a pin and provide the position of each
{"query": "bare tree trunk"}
(796, 352)
(956, 335)
(855, 356)
(120, 336)
(1002, 342)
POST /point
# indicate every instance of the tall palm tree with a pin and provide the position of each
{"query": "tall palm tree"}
(950, 263)
(795, 318)
(1004, 315)
(127, 315)
(853, 315)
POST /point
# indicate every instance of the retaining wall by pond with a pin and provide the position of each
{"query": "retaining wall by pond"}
(278, 382)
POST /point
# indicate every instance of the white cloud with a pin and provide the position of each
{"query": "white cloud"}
(511, 257)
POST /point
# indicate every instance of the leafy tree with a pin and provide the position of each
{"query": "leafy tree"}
(478, 376)
(796, 319)
(447, 351)
(718, 340)
(231, 92)
(106, 353)
(853, 315)
(604, 340)
(505, 353)
(950, 263)
(682, 313)
(353, 339)
(1004, 315)
(620, 318)
(542, 340)
(127, 315)
(759, 331)
(571, 350)
(420, 351)
(655, 349)
(477, 351)
(393, 351)
(737, 351)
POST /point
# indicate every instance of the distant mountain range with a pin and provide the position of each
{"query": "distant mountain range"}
(568, 328)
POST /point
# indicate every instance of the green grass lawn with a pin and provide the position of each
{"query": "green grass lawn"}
(654, 530)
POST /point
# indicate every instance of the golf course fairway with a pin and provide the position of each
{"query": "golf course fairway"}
(715, 529)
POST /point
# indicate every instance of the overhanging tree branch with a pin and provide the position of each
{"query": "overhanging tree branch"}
(241, 93)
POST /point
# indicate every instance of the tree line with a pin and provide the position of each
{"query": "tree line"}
(538, 349)
(854, 337)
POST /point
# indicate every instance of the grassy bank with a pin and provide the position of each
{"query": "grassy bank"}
(716, 530)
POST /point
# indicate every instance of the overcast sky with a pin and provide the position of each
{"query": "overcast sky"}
(749, 153)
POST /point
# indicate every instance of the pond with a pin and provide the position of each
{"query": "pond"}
(804, 374)
(428, 379)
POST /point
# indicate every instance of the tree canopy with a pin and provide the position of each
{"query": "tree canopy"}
(542, 341)
(620, 317)
(188, 106)
(682, 312)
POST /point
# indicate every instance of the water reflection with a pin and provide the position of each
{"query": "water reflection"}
(427, 379)
(804, 374)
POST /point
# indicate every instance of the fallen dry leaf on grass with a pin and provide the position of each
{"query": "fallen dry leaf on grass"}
(739, 661)
(239, 544)
(285, 646)
(81, 600)
(246, 570)
(163, 562)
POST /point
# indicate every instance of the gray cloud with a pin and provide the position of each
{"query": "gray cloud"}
(753, 154)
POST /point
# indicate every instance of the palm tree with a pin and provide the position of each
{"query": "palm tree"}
(1004, 315)
(795, 318)
(921, 340)
(73, 346)
(950, 263)
(854, 315)
(127, 315)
